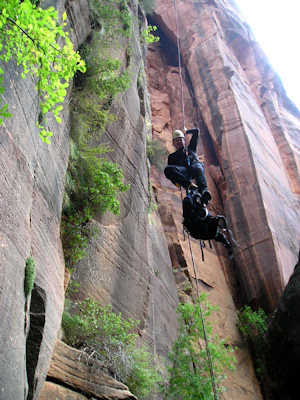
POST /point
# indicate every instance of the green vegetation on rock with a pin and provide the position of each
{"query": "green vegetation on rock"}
(253, 326)
(157, 153)
(148, 36)
(114, 17)
(40, 45)
(92, 181)
(147, 5)
(112, 340)
(190, 371)
(29, 276)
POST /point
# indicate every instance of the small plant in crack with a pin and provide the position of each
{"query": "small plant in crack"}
(29, 276)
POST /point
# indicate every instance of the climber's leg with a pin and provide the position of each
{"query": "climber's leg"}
(222, 239)
(177, 174)
(197, 172)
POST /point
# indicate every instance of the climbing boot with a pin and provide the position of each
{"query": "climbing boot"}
(205, 197)
(192, 186)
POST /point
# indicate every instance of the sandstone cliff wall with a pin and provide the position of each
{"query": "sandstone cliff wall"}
(32, 177)
(129, 265)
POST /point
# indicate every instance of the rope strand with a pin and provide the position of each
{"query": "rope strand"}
(211, 370)
(179, 63)
(198, 291)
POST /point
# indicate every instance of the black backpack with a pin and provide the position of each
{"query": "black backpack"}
(199, 224)
(196, 220)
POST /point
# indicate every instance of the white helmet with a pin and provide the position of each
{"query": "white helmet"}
(177, 133)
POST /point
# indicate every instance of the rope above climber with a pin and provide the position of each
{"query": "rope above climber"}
(184, 165)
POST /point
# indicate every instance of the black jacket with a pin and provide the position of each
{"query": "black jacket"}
(179, 157)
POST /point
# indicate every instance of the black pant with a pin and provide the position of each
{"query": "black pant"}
(183, 175)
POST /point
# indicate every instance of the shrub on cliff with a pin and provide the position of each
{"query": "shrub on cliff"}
(190, 376)
(157, 153)
(110, 338)
(29, 276)
(113, 16)
(93, 182)
(253, 326)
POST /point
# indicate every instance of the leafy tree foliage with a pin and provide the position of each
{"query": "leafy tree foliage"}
(40, 45)
(148, 36)
(253, 325)
(190, 373)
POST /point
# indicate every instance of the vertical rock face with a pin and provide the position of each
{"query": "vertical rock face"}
(250, 134)
(32, 186)
(32, 178)
(129, 264)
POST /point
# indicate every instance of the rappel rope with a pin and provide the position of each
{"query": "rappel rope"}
(179, 63)
(191, 250)
(211, 369)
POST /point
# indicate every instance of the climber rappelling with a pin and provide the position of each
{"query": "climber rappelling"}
(183, 166)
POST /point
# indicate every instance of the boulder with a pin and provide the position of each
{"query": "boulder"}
(73, 373)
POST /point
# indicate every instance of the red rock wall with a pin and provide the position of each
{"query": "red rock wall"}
(250, 134)
(129, 265)
(32, 176)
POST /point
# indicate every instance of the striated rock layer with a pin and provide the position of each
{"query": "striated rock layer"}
(129, 264)
(32, 176)
(250, 134)
(73, 375)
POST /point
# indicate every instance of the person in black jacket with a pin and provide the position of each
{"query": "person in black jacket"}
(184, 165)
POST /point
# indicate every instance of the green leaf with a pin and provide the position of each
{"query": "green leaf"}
(62, 92)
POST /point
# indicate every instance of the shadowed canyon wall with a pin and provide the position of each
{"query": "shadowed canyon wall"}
(141, 262)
